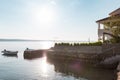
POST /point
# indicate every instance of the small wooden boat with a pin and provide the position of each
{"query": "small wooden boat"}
(6, 52)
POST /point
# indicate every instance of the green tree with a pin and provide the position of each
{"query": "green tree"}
(113, 23)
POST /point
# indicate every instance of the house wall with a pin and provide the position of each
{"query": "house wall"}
(100, 34)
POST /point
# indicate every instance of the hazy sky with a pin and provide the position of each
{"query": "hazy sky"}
(53, 19)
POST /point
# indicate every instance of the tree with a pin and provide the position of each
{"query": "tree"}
(113, 24)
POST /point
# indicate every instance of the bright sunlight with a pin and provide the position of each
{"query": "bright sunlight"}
(44, 65)
(44, 15)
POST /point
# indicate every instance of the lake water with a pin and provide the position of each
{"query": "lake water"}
(41, 68)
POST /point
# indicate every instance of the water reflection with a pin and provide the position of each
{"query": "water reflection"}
(118, 76)
(80, 70)
(44, 65)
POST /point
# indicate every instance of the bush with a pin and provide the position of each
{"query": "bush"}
(79, 44)
(92, 44)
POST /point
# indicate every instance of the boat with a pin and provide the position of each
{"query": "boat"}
(7, 52)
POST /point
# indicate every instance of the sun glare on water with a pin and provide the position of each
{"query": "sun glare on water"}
(42, 67)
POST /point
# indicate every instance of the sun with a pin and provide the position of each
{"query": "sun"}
(44, 15)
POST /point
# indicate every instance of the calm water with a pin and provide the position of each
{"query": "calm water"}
(43, 68)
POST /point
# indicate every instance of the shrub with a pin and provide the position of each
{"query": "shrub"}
(79, 44)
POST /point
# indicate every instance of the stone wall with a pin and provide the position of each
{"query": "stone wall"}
(79, 49)
(111, 48)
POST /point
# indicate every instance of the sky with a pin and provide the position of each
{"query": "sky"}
(53, 19)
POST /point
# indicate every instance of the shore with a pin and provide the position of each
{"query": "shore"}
(104, 56)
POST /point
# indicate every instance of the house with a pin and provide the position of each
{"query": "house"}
(105, 32)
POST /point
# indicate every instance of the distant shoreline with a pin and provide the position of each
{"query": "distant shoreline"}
(56, 41)
(20, 40)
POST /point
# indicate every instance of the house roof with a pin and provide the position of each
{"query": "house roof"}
(109, 19)
(115, 12)
(103, 20)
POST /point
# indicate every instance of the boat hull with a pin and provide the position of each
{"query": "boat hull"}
(9, 52)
